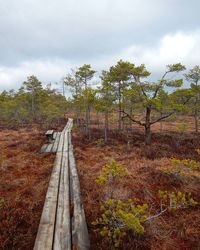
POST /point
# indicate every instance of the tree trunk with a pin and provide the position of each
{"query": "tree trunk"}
(147, 135)
(106, 128)
(32, 104)
(120, 118)
(196, 115)
(148, 126)
(131, 113)
(120, 106)
(97, 118)
(87, 119)
(88, 123)
(86, 109)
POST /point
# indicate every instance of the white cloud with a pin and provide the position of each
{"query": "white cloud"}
(48, 37)
(171, 48)
(77, 29)
(47, 71)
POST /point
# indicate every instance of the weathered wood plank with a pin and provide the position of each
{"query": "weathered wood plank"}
(60, 145)
(56, 142)
(45, 235)
(80, 232)
(62, 236)
(49, 148)
(43, 148)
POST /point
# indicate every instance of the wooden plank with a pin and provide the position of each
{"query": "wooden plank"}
(45, 235)
(56, 142)
(66, 127)
(80, 232)
(49, 148)
(43, 148)
(62, 236)
(70, 121)
(60, 146)
(66, 142)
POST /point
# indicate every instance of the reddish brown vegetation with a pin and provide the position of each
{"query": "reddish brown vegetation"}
(23, 183)
(25, 174)
(177, 230)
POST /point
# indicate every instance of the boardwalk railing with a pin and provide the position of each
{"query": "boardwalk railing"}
(63, 225)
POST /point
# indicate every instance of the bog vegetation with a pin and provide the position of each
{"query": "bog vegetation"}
(116, 99)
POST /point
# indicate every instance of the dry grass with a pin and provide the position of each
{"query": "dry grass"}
(23, 183)
(25, 174)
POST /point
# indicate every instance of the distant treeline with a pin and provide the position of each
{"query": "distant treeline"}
(122, 94)
(32, 103)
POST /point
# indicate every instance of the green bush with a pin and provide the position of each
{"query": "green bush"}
(111, 171)
(175, 200)
(118, 217)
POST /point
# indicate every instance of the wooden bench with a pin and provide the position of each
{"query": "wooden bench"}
(49, 135)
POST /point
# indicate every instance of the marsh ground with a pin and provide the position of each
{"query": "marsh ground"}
(174, 230)
(25, 174)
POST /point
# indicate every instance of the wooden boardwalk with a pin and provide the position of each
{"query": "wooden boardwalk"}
(63, 225)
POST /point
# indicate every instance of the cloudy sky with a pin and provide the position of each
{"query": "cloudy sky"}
(47, 38)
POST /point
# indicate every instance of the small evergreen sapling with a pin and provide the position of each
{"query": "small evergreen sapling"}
(111, 172)
(118, 217)
(175, 200)
(172, 201)
(181, 167)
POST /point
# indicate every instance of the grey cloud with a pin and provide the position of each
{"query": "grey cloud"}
(78, 31)
(82, 29)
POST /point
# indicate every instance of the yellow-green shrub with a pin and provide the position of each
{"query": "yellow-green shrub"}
(175, 200)
(110, 171)
(181, 167)
(117, 217)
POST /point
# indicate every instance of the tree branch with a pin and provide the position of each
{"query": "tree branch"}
(143, 91)
(157, 215)
(160, 85)
(131, 118)
(156, 91)
(164, 75)
(162, 117)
